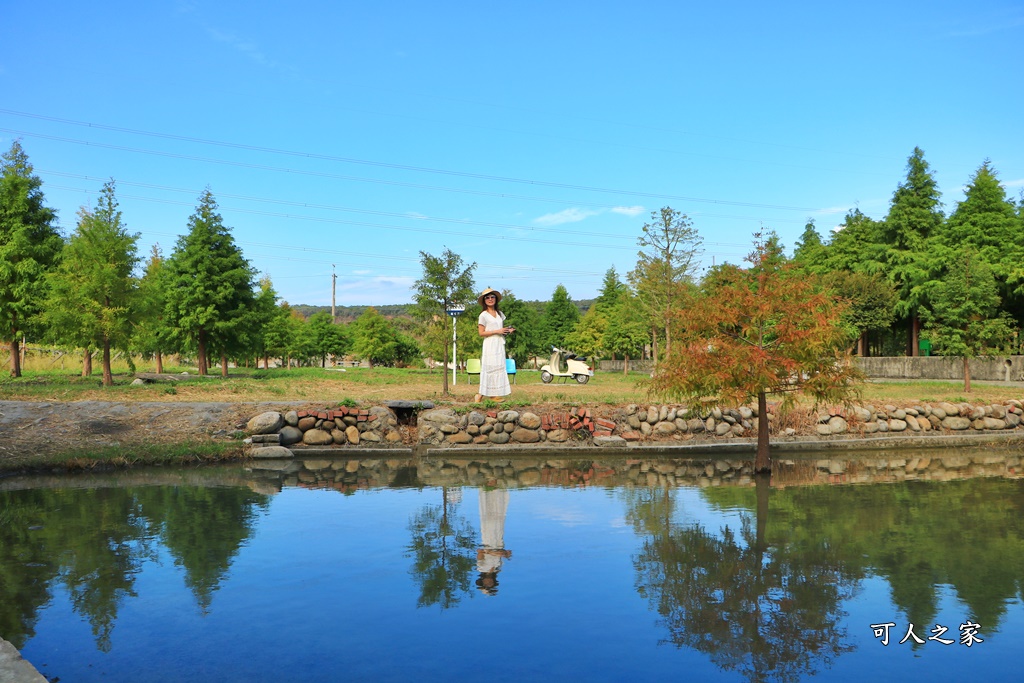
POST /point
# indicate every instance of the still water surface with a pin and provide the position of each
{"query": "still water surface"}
(521, 569)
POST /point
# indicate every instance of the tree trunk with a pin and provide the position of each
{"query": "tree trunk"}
(625, 364)
(15, 358)
(159, 363)
(223, 365)
(915, 334)
(108, 376)
(967, 375)
(762, 487)
(86, 363)
(201, 353)
(763, 461)
(266, 362)
(862, 345)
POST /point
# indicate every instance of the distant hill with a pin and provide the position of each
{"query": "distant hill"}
(350, 313)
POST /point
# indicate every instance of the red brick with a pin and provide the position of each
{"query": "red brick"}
(630, 436)
(607, 424)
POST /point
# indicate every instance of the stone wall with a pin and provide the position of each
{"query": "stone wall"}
(994, 368)
(378, 426)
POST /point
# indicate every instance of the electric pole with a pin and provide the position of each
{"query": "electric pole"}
(334, 286)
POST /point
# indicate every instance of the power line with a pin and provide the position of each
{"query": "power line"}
(365, 162)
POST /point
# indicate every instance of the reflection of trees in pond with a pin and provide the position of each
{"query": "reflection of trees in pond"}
(26, 569)
(443, 549)
(94, 542)
(203, 528)
(756, 609)
(918, 535)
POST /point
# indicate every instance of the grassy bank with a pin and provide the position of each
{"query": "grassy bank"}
(368, 386)
(77, 460)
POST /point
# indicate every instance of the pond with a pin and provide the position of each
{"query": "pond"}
(524, 568)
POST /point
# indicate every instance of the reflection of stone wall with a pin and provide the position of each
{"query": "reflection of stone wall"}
(551, 470)
(339, 474)
(617, 426)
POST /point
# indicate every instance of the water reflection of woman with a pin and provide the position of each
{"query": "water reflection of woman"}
(493, 508)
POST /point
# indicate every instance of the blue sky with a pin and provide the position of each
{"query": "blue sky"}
(532, 138)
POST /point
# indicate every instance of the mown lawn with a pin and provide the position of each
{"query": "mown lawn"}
(368, 386)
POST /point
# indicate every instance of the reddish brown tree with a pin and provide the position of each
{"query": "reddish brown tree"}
(750, 332)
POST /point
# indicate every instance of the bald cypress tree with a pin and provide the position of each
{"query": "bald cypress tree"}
(29, 246)
(986, 221)
(210, 287)
(915, 215)
(92, 293)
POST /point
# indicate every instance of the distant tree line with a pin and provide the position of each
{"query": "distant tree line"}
(954, 280)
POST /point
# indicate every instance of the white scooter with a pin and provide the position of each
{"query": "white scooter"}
(575, 368)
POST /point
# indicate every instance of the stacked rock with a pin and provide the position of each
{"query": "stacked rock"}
(868, 419)
(443, 426)
(338, 426)
(668, 420)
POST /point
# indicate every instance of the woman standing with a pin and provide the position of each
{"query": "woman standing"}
(491, 326)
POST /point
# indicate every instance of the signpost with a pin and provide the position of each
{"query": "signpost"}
(454, 310)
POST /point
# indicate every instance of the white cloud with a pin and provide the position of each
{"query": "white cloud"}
(831, 210)
(247, 48)
(628, 210)
(1014, 183)
(573, 215)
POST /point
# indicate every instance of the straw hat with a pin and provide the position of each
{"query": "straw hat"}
(487, 291)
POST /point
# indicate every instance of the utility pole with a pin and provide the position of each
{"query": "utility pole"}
(334, 286)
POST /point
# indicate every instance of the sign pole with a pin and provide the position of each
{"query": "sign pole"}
(454, 310)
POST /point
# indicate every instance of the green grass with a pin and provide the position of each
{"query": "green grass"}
(373, 386)
(147, 454)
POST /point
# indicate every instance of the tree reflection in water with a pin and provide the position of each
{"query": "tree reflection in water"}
(94, 542)
(443, 550)
(763, 611)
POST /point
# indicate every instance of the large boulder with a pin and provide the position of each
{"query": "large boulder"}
(265, 423)
(956, 423)
(271, 452)
(317, 437)
(525, 436)
(290, 435)
(529, 421)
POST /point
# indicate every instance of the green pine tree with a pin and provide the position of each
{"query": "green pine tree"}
(986, 221)
(964, 318)
(560, 316)
(29, 246)
(92, 294)
(915, 215)
(209, 287)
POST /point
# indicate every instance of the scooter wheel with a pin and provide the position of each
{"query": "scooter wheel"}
(582, 379)
(546, 377)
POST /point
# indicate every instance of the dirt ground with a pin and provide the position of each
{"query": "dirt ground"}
(30, 430)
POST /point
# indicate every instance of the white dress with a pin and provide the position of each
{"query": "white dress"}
(493, 377)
